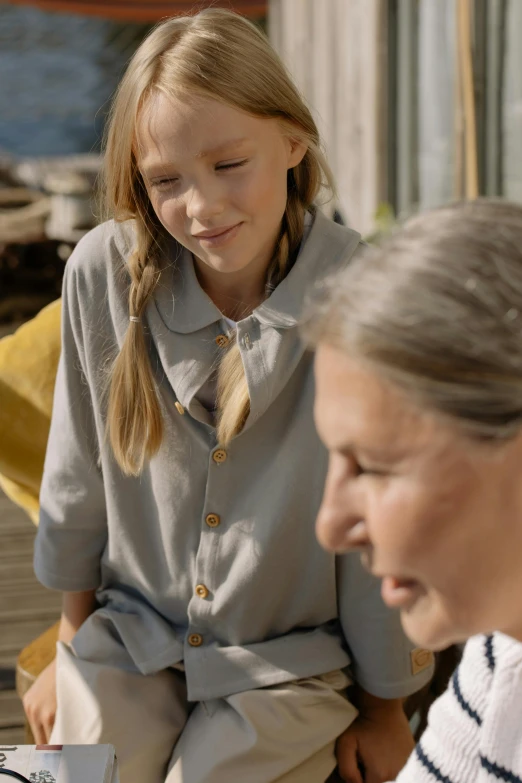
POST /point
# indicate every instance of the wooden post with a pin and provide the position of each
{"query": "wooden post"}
(468, 96)
(337, 54)
(407, 193)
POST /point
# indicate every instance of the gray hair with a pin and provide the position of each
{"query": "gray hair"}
(437, 310)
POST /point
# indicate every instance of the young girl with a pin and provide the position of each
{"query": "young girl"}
(183, 472)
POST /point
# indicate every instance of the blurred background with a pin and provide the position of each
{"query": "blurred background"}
(419, 103)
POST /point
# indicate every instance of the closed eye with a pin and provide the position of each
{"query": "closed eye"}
(162, 183)
(236, 165)
(361, 470)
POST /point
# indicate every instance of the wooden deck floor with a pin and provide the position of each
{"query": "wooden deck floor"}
(26, 610)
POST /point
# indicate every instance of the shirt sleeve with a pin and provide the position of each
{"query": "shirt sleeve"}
(449, 749)
(72, 532)
(385, 663)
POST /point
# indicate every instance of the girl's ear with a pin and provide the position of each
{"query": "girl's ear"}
(296, 152)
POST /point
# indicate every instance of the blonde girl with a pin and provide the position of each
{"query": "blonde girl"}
(204, 632)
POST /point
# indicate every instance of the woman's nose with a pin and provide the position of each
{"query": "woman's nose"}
(340, 523)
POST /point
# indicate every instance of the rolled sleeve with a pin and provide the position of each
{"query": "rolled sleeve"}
(381, 653)
(72, 532)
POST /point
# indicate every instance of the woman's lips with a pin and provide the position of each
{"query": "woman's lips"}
(220, 238)
(400, 593)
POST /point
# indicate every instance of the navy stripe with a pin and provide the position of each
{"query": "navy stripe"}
(490, 654)
(501, 773)
(430, 766)
(462, 701)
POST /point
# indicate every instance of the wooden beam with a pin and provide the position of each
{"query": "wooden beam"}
(464, 22)
(338, 56)
(496, 19)
(142, 11)
(407, 106)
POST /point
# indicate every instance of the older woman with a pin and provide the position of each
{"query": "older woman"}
(419, 401)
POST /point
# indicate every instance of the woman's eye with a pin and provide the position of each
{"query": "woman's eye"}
(236, 165)
(363, 470)
(359, 470)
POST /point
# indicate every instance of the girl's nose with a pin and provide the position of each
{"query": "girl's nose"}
(205, 203)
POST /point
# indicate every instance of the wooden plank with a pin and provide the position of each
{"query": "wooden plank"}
(7, 678)
(496, 25)
(14, 736)
(18, 635)
(27, 608)
(30, 605)
(146, 11)
(13, 519)
(323, 80)
(407, 110)
(337, 52)
(11, 710)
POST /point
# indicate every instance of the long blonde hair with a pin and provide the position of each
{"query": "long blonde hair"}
(218, 54)
(437, 310)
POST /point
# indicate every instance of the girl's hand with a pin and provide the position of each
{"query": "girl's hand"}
(377, 745)
(40, 704)
(40, 700)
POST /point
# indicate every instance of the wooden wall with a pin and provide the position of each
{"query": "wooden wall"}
(336, 51)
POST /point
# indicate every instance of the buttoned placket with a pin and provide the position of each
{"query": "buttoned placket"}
(213, 522)
(187, 311)
(219, 485)
(249, 342)
(201, 353)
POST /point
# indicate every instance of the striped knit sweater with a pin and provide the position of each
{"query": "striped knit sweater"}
(474, 732)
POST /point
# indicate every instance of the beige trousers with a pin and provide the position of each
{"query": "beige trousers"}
(285, 733)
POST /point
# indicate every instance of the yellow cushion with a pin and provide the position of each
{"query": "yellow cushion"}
(28, 364)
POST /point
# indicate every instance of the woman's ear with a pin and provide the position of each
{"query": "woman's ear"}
(296, 152)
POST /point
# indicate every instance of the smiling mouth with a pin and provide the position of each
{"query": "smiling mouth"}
(218, 232)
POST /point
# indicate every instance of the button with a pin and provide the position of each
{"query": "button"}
(247, 342)
(201, 591)
(195, 640)
(421, 659)
(212, 520)
(179, 407)
(219, 456)
(222, 340)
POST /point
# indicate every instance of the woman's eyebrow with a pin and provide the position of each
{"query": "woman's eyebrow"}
(380, 454)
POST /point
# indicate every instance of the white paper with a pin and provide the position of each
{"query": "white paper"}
(61, 763)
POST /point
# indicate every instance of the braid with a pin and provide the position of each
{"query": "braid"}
(290, 239)
(135, 426)
(233, 399)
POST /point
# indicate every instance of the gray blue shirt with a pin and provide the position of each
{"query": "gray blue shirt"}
(210, 556)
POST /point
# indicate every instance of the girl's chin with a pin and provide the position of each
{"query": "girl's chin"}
(224, 263)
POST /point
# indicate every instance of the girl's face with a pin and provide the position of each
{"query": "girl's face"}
(217, 180)
(439, 516)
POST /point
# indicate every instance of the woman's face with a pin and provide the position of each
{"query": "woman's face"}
(438, 515)
(217, 179)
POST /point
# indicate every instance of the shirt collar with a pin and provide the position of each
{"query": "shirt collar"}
(326, 244)
(185, 308)
(181, 302)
